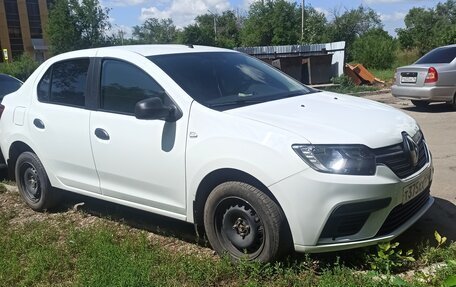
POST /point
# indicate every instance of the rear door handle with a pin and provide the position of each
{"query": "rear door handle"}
(101, 134)
(39, 124)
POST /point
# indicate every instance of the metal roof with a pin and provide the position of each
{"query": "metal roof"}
(292, 50)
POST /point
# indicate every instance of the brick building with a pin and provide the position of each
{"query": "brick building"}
(22, 25)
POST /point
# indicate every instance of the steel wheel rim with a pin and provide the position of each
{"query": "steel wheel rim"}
(239, 228)
(30, 182)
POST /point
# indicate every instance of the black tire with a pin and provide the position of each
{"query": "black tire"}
(453, 103)
(420, 104)
(33, 183)
(243, 222)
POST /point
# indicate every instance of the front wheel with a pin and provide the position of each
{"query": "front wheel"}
(33, 183)
(420, 104)
(244, 222)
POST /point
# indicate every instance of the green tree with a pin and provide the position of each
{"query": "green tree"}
(228, 30)
(419, 30)
(62, 28)
(426, 29)
(155, 31)
(77, 24)
(271, 23)
(315, 26)
(352, 24)
(278, 22)
(196, 35)
(202, 32)
(375, 49)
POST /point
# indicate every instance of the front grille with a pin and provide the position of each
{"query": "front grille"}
(398, 160)
(401, 213)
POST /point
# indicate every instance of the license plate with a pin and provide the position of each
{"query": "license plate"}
(412, 190)
(408, 79)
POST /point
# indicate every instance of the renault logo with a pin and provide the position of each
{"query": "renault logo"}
(410, 148)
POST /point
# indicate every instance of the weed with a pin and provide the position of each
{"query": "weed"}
(388, 258)
(440, 240)
(345, 85)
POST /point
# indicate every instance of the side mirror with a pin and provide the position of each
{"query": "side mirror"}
(154, 109)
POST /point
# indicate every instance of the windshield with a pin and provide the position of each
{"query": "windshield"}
(224, 80)
(443, 55)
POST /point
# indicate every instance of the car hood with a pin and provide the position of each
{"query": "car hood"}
(329, 118)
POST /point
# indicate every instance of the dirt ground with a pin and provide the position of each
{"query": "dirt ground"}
(438, 123)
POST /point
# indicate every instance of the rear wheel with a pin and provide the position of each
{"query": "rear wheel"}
(453, 103)
(243, 222)
(420, 104)
(33, 183)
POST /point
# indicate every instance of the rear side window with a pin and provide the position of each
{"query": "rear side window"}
(65, 83)
(123, 85)
(442, 55)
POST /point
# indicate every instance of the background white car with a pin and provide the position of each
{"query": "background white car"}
(219, 139)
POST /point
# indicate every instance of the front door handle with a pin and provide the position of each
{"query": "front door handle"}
(101, 134)
(39, 124)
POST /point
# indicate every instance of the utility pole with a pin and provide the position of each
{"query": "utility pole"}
(302, 21)
(215, 24)
(121, 34)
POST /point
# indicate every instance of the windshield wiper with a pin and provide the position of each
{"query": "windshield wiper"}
(240, 102)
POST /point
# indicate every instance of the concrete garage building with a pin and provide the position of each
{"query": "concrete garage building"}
(22, 25)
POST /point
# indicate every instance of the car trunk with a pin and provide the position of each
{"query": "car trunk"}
(414, 75)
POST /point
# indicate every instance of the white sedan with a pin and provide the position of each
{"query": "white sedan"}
(219, 139)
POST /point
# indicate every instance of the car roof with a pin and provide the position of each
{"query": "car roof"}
(447, 46)
(6, 76)
(150, 50)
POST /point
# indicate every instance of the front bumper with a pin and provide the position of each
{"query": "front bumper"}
(426, 93)
(309, 198)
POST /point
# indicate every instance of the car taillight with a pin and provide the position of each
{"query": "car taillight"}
(2, 108)
(432, 75)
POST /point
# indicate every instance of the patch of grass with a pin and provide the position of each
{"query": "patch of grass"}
(9, 182)
(3, 188)
(384, 75)
(344, 85)
(62, 253)
(351, 90)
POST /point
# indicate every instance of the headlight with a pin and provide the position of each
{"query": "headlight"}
(339, 159)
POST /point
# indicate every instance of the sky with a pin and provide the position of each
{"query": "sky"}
(124, 14)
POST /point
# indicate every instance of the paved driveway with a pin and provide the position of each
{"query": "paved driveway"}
(438, 123)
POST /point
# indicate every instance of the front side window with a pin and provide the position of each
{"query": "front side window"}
(224, 80)
(123, 85)
(65, 83)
